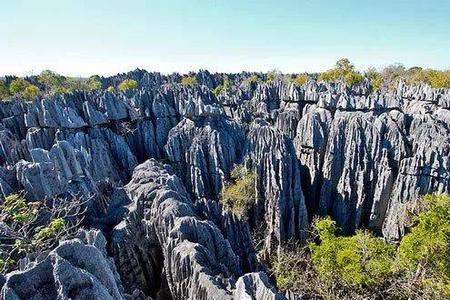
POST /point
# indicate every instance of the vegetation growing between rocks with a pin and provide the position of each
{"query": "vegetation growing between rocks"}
(225, 86)
(36, 226)
(49, 83)
(188, 80)
(301, 79)
(332, 266)
(238, 195)
(128, 84)
(344, 69)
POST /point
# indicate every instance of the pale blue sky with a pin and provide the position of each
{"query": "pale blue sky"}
(81, 37)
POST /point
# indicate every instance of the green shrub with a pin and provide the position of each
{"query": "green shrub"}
(52, 80)
(427, 245)
(342, 70)
(435, 78)
(94, 83)
(253, 79)
(363, 266)
(6, 263)
(55, 226)
(111, 89)
(287, 269)
(375, 77)
(273, 75)
(301, 79)
(217, 90)
(353, 78)
(4, 92)
(31, 92)
(18, 86)
(128, 84)
(358, 260)
(16, 208)
(188, 80)
(225, 86)
(239, 194)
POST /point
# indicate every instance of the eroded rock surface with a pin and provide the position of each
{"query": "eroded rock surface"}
(362, 156)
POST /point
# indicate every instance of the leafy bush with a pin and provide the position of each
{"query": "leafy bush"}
(188, 80)
(55, 226)
(4, 92)
(111, 89)
(31, 92)
(239, 194)
(435, 78)
(253, 79)
(363, 266)
(18, 86)
(273, 75)
(353, 78)
(94, 83)
(361, 259)
(51, 80)
(427, 247)
(128, 84)
(342, 70)
(301, 79)
(375, 77)
(56, 83)
(36, 226)
(16, 208)
(225, 86)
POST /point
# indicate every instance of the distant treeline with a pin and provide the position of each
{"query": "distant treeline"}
(50, 83)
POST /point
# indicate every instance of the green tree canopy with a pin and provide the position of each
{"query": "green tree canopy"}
(18, 86)
(273, 75)
(94, 83)
(31, 92)
(4, 92)
(238, 194)
(426, 248)
(51, 80)
(301, 79)
(361, 259)
(128, 84)
(343, 69)
(188, 80)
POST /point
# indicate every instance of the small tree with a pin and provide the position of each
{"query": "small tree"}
(128, 84)
(375, 77)
(94, 83)
(3, 90)
(253, 79)
(353, 78)
(343, 69)
(31, 92)
(301, 79)
(238, 195)
(29, 232)
(273, 75)
(425, 251)
(225, 86)
(18, 86)
(355, 261)
(188, 80)
(51, 79)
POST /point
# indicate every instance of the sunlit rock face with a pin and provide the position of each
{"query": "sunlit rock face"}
(153, 162)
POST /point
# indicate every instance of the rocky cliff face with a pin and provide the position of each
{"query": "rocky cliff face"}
(153, 162)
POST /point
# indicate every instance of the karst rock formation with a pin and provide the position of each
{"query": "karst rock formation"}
(153, 161)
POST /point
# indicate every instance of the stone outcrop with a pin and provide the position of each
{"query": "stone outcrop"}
(197, 260)
(76, 269)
